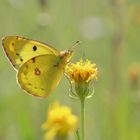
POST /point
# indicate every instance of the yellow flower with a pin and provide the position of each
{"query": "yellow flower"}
(82, 71)
(134, 74)
(60, 122)
(81, 74)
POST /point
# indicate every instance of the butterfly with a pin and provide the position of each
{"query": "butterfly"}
(39, 66)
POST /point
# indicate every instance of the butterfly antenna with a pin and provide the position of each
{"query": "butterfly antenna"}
(74, 45)
(84, 56)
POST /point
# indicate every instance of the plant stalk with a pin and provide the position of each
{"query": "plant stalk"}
(83, 118)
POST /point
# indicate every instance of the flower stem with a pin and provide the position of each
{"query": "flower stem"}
(61, 137)
(83, 118)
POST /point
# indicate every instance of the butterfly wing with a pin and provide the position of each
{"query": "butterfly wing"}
(20, 49)
(40, 75)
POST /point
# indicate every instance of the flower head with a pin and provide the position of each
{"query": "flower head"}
(134, 74)
(81, 74)
(82, 71)
(60, 121)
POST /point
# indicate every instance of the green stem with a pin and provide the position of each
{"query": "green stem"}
(83, 118)
(61, 137)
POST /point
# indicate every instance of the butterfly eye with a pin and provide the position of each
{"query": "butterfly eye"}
(34, 48)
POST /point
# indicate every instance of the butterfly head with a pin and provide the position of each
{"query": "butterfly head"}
(67, 54)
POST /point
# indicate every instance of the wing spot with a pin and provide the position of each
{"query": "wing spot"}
(37, 71)
(25, 74)
(34, 48)
(33, 59)
(21, 59)
(13, 44)
(26, 66)
(29, 84)
(17, 54)
(56, 65)
(42, 89)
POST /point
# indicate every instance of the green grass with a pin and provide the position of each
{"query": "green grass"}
(21, 116)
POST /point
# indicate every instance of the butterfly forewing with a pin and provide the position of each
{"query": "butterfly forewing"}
(40, 75)
(20, 49)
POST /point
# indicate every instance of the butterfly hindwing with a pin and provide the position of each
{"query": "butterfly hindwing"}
(20, 49)
(40, 75)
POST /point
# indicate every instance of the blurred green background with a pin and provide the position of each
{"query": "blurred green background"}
(110, 34)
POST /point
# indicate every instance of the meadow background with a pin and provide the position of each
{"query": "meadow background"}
(109, 31)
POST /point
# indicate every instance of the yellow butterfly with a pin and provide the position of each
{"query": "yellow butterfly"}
(39, 66)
